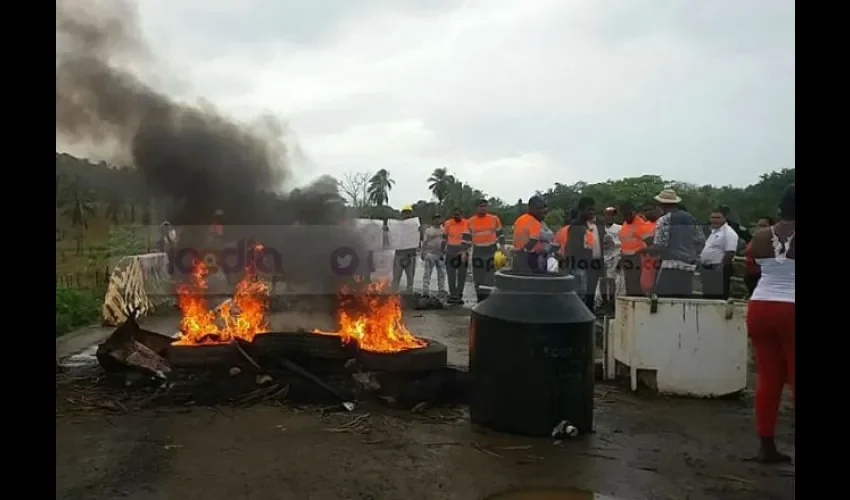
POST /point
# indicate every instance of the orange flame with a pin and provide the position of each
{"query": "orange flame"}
(243, 316)
(373, 319)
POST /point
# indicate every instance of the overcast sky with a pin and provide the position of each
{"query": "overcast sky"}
(511, 96)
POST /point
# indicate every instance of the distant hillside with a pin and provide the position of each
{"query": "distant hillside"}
(95, 194)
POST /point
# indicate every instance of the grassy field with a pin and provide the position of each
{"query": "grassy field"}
(83, 263)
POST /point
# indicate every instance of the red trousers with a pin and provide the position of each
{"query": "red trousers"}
(770, 326)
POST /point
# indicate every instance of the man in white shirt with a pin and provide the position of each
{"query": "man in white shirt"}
(717, 257)
(608, 286)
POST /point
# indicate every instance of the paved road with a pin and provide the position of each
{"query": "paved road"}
(468, 289)
(643, 448)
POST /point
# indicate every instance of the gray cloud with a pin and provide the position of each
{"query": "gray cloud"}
(697, 91)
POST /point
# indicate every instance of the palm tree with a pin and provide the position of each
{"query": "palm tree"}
(380, 186)
(440, 183)
(79, 210)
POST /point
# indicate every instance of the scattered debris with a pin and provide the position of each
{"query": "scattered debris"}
(245, 355)
(419, 407)
(430, 301)
(486, 451)
(245, 372)
(367, 381)
(530, 460)
(514, 448)
(243, 348)
(564, 429)
(132, 350)
(358, 424)
(273, 392)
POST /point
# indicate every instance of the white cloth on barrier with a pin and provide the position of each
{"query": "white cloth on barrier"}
(137, 283)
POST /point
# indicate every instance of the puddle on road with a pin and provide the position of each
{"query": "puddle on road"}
(85, 358)
(550, 494)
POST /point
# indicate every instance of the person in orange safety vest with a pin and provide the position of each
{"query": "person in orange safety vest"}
(486, 235)
(649, 264)
(458, 241)
(529, 252)
(635, 234)
(561, 238)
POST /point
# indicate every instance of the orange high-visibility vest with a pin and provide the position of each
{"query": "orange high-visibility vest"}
(485, 230)
(563, 235)
(561, 238)
(526, 228)
(633, 234)
(648, 229)
(456, 231)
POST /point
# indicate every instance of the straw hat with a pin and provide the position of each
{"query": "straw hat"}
(668, 197)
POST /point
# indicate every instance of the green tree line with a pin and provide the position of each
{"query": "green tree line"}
(85, 190)
(370, 194)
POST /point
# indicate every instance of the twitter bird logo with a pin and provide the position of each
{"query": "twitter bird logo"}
(344, 261)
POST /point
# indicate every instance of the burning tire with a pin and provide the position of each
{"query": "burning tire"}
(305, 344)
(202, 356)
(433, 356)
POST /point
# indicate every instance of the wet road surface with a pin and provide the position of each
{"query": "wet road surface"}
(643, 447)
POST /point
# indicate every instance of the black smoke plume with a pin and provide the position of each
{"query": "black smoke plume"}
(195, 157)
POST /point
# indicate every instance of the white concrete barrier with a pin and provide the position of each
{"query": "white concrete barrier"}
(693, 347)
(139, 283)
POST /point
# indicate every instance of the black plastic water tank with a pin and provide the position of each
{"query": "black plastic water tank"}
(531, 356)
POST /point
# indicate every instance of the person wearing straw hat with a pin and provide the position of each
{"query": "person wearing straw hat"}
(678, 242)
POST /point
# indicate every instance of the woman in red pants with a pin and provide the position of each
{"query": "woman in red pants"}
(753, 271)
(770, 322)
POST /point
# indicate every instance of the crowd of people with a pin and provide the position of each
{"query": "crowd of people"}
(652, 250)
(450, 247)
(655, 251)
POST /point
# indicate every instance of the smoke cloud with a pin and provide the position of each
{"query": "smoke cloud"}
(194, 156)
